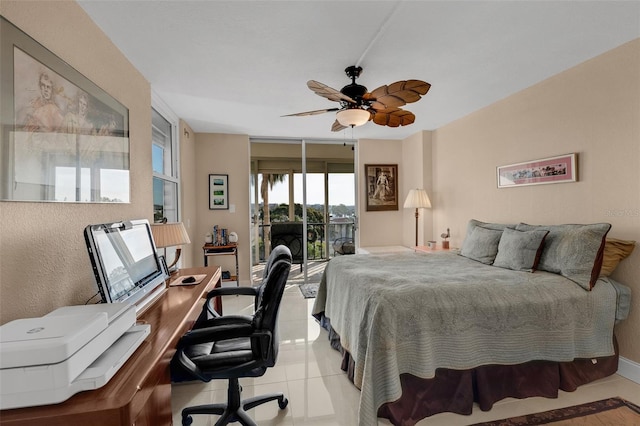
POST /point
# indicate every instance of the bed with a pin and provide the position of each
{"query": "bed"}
(426, 333)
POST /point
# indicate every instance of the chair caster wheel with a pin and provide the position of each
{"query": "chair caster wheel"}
(186, 421)
(283, 404)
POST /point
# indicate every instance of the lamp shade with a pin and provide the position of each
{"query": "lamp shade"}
(169, 234)
(417, 199)
(353, 117)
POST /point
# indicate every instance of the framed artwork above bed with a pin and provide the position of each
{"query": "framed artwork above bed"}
(562, 168)
(382, 186)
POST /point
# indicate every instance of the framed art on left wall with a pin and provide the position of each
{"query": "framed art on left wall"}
(63, 138)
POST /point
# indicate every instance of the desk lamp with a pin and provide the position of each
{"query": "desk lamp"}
(417, 199)
(170, 235)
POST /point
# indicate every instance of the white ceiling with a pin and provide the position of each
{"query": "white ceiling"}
(238, 66)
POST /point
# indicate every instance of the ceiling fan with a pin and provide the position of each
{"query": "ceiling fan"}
(357, 106)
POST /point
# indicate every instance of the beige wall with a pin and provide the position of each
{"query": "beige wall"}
(383, 228)
(416, 173)
(592, 109)
(414, 158)
(188, 197)
(43, 259)
(223, 154)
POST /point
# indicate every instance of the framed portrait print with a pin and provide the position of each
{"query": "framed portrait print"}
(382, 186)
(562, 168)
(218, 192)
(63, 138)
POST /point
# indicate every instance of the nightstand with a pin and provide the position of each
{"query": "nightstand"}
(428, 249)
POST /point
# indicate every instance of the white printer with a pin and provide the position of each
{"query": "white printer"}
(46, 360)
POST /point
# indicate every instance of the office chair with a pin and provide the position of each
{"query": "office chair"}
(235, 346)
(278, 253)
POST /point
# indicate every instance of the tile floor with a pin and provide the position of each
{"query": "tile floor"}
(319, 393)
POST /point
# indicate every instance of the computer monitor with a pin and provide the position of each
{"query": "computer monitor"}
(125, 262)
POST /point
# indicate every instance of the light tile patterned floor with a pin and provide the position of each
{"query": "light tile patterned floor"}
(319, 393)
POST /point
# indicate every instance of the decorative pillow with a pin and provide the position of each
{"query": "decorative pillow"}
(520, 250)
(615, 251)
(573, 251)
(481, 245)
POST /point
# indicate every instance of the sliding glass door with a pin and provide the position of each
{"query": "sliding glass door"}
(309, 188)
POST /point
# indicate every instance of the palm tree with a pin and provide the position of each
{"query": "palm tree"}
(268, 180)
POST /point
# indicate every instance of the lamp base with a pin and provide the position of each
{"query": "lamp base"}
(416, 227)
(171, 267)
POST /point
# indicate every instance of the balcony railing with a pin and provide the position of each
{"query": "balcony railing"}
(319, 243)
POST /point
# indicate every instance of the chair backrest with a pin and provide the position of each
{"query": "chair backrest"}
(278, 253)
(266, 315)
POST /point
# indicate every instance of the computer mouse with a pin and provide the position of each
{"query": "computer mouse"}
(189, 280)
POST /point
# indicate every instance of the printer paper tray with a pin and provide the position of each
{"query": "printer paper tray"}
(108, 364)
(93, 377)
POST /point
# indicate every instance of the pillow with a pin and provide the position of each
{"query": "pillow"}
(573, 251)
(481, 245)
(520, 250)
(615, 251)
(496, 226)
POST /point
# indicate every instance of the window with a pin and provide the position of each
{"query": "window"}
(164, 154)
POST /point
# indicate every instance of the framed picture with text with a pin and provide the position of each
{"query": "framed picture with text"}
(218, 192)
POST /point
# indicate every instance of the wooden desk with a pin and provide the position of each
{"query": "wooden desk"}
(140, 393)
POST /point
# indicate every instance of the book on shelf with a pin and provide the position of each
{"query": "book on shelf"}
(220, 236)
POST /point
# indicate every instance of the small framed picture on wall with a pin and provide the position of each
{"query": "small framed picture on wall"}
(218, 192)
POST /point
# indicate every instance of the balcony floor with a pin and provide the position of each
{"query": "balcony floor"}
(296, 276)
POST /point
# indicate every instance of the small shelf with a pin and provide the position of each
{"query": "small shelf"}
(227, 250)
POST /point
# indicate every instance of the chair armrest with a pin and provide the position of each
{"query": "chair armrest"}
(232, 291)
(227, 291)
(216, 334)
(261, 341)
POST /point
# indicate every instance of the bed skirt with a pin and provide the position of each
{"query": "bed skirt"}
(455, 391)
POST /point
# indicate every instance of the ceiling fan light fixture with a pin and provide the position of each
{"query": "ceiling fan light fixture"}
(353, 117)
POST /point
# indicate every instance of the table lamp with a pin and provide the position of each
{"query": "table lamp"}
(170, 235)
(417, 199)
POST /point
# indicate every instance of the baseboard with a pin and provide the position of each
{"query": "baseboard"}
(629, 369)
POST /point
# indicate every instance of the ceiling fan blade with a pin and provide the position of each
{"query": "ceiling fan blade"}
(397, 94)
(393, 117)
(328, 92)
(314, 112)
(336, 126)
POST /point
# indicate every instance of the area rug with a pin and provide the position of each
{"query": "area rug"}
(309, 291)
(612, 411)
